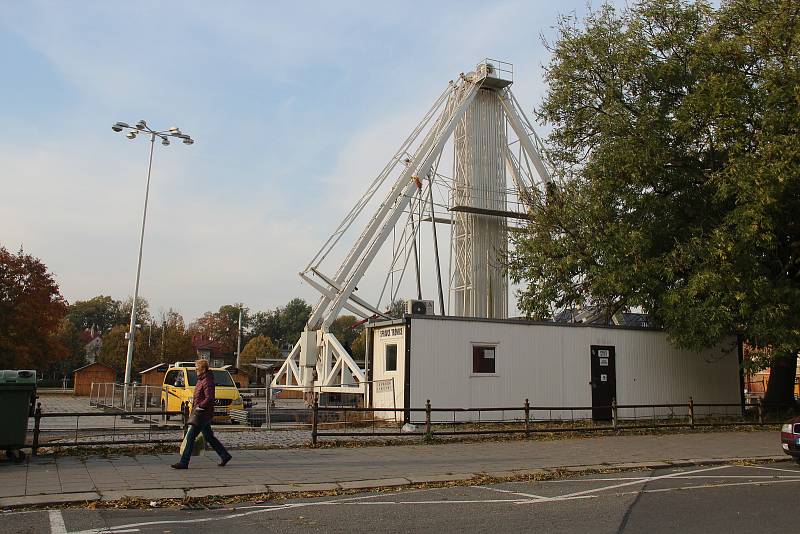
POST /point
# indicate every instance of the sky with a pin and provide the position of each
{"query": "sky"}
(295, 107)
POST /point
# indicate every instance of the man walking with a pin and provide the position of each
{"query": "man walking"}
(202, 414)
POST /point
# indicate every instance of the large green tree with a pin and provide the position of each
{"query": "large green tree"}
(31, 310)
(293, 318)
(676, 141)
(102, 312)
(284, 324)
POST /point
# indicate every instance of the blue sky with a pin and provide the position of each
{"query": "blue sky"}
(295, 107)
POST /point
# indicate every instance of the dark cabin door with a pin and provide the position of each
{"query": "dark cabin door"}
(604, 381)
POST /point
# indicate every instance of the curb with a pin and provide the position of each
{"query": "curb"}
(315, 487)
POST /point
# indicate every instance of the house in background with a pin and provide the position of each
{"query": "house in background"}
(92, 344)
(211, 351)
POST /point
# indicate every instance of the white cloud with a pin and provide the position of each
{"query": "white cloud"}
(295, 108)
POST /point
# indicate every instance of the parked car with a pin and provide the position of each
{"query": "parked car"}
(178, 389)
(790, 438)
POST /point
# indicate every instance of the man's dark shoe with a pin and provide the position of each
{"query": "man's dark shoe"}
(179, 466)
(225, 461)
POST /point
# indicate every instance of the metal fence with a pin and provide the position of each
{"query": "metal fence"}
(111, 395)
(148, 429)
(539, 419)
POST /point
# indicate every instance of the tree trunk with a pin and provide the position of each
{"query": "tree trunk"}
(780, 389)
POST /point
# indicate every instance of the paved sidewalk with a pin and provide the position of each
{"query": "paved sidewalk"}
(46, 480)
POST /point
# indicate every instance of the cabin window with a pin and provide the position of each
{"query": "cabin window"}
(391, 357)
(483, 359)
(170, 378)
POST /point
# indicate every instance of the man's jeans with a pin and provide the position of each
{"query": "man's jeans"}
(211, 439)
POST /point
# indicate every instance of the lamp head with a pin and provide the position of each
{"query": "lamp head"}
(165, 141)
(141, 125)
(116, 128)
(131, 135)
(188, 141)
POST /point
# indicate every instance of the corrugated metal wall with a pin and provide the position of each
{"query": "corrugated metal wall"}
(550, 365)
(478, 281)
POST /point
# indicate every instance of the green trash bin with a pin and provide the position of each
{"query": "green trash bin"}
(17, 399)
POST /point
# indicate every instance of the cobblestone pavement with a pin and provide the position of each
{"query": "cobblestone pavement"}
(254, 471)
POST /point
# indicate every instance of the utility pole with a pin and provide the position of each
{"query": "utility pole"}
(239, 340)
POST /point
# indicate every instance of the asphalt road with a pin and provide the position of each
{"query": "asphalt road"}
(726, 498)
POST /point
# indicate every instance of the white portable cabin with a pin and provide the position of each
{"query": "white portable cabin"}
(459, 362)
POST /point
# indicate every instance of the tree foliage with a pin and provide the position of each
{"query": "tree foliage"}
(258, 348)
(676, 135)
(31, 310)
(345, 329)
(358, 348)
(102, 312)
(223, 325)
(283, 324)
(174, 338)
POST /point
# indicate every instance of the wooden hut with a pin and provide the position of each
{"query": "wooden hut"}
(239, 376)
(97, 373)
(154, 376)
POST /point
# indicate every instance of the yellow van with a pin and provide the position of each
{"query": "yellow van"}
(178, 388)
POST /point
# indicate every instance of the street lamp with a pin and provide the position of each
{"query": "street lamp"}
(131, 132)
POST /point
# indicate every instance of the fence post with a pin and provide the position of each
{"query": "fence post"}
(760, 409)
(527, 418)
(314, 420)
(428, 418)
(268, 414)
(691, 412)
(614, 415)
(37, 417)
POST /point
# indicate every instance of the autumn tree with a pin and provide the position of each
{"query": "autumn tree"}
(31, 309)
(259, 347)
(223, 325)
(174, 339)
(676, 143)
(114, 352)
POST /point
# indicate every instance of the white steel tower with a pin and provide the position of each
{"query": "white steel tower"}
(478, 281)
(493, 141)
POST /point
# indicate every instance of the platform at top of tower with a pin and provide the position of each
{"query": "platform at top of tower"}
(494, 74)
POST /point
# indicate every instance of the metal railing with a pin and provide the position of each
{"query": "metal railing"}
(539, 419)
(111, 396)
(156, 432)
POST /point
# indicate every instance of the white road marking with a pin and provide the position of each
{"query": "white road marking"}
(365, 500)
(614, 486)
(57, 525)
(709, 486)
(519, 493)
(795, 471)
(770, 477)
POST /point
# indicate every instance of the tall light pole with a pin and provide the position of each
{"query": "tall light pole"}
(141, 127)
(239, 340)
